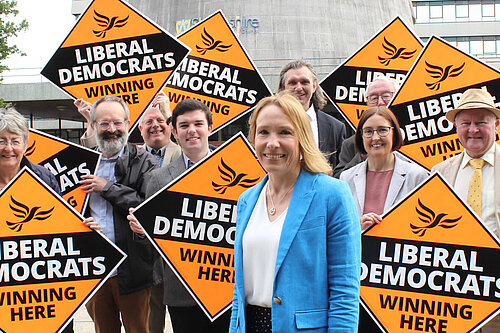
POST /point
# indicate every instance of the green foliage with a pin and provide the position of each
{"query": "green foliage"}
(9, 29)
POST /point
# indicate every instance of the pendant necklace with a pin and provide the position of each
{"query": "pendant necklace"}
(272, 210)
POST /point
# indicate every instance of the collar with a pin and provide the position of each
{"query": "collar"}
(488, 157)
(311, 113)
(114, 157)
(162, 149)
(188, 163)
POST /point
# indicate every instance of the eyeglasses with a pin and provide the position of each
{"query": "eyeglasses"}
(16, 143)
(386, 97)
(104, 125)
(382, 131)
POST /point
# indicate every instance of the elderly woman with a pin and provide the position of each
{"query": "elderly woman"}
(297, 246)
(384, 178)
(14, 132)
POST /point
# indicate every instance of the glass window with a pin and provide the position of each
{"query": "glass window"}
(475, 12)
(463, 45)
(489, 45)
(422, 14)
(452, 41)
(436, 11)
(488, 10)
(476, 46)
(462, 11)
(497, 12)
(498, 46)
(448, 13)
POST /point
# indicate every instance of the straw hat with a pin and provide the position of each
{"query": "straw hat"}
(474, 99)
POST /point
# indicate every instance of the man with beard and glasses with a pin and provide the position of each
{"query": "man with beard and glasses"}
(119, 183)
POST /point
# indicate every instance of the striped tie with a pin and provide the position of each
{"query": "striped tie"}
(474, 195)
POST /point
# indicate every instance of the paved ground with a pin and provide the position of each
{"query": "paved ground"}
(83, 323)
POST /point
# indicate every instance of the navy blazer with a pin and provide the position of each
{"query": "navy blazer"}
(331, 134)
(318, 262)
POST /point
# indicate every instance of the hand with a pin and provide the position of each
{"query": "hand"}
(84, 108)
(369, 219)
(92, 224)
(163, 102)
(134, 225)
(92, 183)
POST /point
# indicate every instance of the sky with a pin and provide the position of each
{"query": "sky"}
(49, 21)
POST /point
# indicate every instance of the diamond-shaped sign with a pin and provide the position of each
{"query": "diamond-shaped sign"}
(195, 231)
(50, 262)
(218, 71)
(430, 265)
(390, 53)
(433, 86)
(115, 50)
(66, 161)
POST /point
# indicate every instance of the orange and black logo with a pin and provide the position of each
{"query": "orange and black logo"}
(431, 220)
(26, 214)
(393, 52)
(442, 74)
(211, 44)
(31, 149)
(232, 179)
(107, 24)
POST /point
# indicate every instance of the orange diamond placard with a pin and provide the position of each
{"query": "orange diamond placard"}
(430, 265)
(195, 231)
(50, 262)
(115, 50)
(66, 161)
(433, 86)
(390, 53)
(218, 72)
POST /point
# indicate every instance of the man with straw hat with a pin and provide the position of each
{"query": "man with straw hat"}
(475, 173)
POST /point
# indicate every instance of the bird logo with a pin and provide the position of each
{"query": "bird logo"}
(393, 52)
(211, 44)
(430, 220)
(232, 179)
(107, 24)
(441, 74)
(31, 149)
(26, 214)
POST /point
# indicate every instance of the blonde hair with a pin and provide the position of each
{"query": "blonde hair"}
(312, 160)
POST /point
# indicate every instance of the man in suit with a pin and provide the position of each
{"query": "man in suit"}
(378, 93)
(191, 126)
(476, 119)
(301, 80)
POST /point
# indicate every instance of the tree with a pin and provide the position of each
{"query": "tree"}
(9, 29)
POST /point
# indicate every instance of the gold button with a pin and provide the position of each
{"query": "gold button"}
(277, 300)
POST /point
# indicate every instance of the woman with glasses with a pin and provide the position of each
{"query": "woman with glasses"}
(14, 132)
(384, 178)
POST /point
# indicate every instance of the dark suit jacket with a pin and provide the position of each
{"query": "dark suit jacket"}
(331, 134)
(175, 294)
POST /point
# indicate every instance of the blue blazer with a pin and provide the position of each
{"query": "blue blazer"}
(316, 280)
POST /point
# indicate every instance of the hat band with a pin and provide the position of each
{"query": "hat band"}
(479, 102)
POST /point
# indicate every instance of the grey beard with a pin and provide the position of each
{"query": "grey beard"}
(111, 146)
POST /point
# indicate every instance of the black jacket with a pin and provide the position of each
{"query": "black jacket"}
(136, 272)
(43, 173)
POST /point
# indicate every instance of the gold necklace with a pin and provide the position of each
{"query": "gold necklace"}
(272, 210)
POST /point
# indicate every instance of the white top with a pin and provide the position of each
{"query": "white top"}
(487, 187)
(314, 123)
(260, 248)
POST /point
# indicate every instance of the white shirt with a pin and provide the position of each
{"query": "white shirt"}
(314, 123)
(260, 248)
(487, 187)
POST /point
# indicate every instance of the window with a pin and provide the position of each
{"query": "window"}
(475, 13)
(462, 10)
(449, 13)
(422, 13)
(489, 45)
(436, 11)
(476, 46)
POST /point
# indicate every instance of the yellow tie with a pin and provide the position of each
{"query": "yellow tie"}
(474, 196)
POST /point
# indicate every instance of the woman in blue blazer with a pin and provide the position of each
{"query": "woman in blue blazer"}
(297, 246)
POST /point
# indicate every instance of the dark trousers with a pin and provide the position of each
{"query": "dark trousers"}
(157, 310)
(106, 306)
(192, 319)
